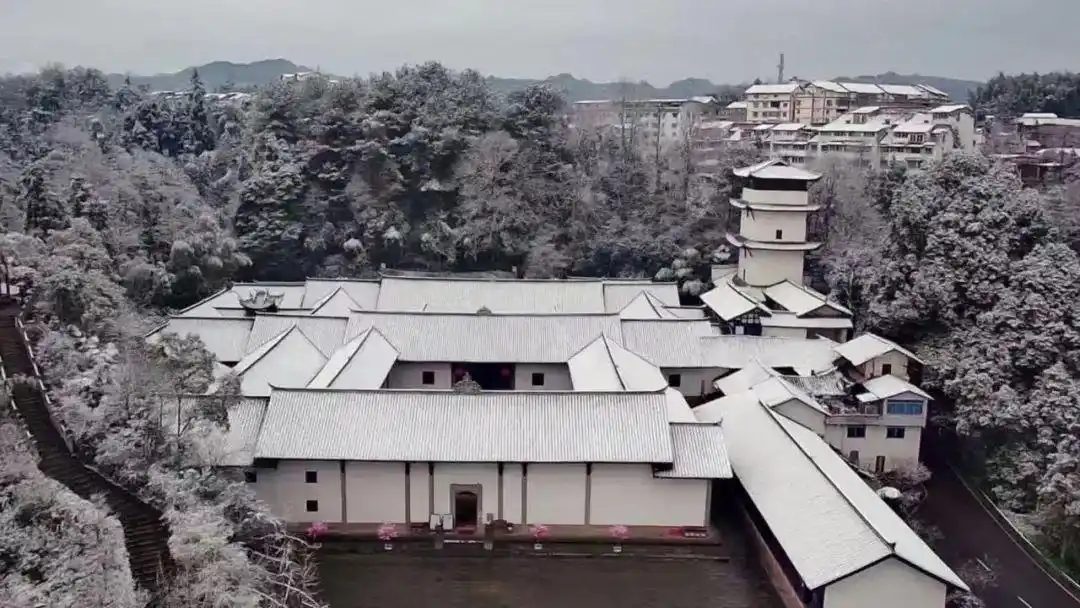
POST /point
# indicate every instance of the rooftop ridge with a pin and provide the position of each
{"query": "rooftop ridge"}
(420, 391)
(424, 313)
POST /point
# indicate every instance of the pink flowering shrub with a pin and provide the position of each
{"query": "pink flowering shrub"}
(388, 532)
(539, 531)
(317, 529)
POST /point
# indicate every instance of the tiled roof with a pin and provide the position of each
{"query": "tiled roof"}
(499, 296)
(883, 387)
(225, 338)
(800, 299)
(699, 452)
(447, 426)
(363, 363)
(735, 352)
(773, 89)
(364, 293)
(869, 346)
(829, 523)
(326, 333)
(617, 294)
(728, 302)
(470, 338)
(668, 342)
(776, 169)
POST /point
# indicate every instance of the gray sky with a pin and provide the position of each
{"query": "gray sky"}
(727, 41)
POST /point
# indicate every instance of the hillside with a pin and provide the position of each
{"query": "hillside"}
(216, 75)
(220, 73)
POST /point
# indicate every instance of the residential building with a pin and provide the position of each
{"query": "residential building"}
(1048, 130)
(771, 102)
(654, 124)
(822, 101)
(449, 403)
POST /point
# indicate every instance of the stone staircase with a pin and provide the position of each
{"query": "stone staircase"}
(145, 532)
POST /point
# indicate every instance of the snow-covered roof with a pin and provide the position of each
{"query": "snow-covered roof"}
(869, 346)
(742, 380)
(699, 452)
(470, 338)
(776, 391)
(866, 110)
(363, 363)
(828, 85)
(499, 296)
(790, 126)
(905, 90)
(950, 108)
(225, 338)
(888, 385)
(729, 302)
(801, 299)
(737, 240)
(773, 89)
(448, 426)
(932, 90)
(646, 306)
(326, 333)
(736, 105)
(619, 293)
(735, 352)
(788, 319)
(862, 88)
(917, 123)
(604, 365)
(829, 523)
(776, 169)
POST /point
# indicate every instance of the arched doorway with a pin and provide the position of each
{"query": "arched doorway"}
(466, 508)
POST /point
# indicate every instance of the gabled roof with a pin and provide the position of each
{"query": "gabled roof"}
(829, 523)
(773, 89)
(363, 292)
(226, 338)
(883, 387)
(618, 293)
(668, 342)
(604, 365)
(256, 355)
(869, 346)
(699, 452)
(326, 333)
(777, 391)
(800, 299)
(729, 302)
(646, 306)
(500, 296)
(337, 303)
(777, 169)
(495, 338)
(735, 352)
(950, 108)
(448, 426)
(363, 363)
(742, 380)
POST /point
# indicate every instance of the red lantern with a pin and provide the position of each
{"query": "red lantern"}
(458, 372)
(506, 372)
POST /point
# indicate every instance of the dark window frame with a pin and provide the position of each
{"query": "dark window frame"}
(311, 477)
(427, 378)
(856, 431)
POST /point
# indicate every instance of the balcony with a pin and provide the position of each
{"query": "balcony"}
(855, 414)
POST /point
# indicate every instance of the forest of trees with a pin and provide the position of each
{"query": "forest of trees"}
(1013, 95)
(119, 206)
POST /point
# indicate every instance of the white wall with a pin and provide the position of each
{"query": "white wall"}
(556, 494)
(288, 499)
(890, 584)
(899, 362)
(628, 494)
(484, 475)
(375, 492)
(693, 379)
(419, 492)
(803, 414)
(776, 197)
(556, 377)
(897, 452)
(783, 332)
(762, 225)
(411, 375)
(767, 267)
(512, 494)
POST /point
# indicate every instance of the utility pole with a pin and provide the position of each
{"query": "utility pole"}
(780, 70)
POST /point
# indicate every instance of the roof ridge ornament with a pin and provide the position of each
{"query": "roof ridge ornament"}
(261, 300)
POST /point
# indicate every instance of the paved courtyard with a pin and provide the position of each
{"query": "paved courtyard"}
(630, 580)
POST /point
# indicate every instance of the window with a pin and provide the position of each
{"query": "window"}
(674, 380)
(312, 506)
(311, 477)
(538, 379)
(779, 234)
(894, 432)
(250, 477)
(886, 369)
(428, 378)
(879, 464)
(904, 407)
(853, 456)
(856, 432)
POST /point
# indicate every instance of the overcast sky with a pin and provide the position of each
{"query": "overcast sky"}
(727, 41)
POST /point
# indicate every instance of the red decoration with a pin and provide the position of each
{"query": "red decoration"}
(458, 372)
(506, 372)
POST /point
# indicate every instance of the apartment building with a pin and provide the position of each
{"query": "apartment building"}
(822, 101)
(656, 124)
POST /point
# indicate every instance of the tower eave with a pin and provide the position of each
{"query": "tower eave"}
(741, 204)
(745, 243)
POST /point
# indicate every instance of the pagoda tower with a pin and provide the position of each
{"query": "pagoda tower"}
(774, 205)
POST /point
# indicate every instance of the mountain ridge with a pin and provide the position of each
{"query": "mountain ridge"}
(217, 75)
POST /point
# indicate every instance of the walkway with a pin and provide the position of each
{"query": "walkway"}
(972, 533)
(145, 534)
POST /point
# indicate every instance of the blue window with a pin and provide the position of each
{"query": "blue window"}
(904, 407)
